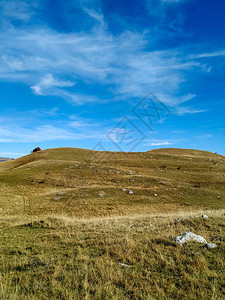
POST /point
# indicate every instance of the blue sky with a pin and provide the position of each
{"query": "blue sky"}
(112, 75)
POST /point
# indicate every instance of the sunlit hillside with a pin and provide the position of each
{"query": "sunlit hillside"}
(82, 224)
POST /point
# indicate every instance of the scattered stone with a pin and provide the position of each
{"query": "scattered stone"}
(155, 195)
(57, 198)
(117, 172)
(123, 189)
(163, 183)
(130, 192)
(132, 180)
(210, 245)
(166, 197)
(181, 193)
(189, 237)
(61, 193)
(124, 265)
(182, 219)
(205, 216)
(101, 194)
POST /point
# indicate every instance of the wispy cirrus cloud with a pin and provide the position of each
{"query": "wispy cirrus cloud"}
(42, 58)
(50, 85)
(209, 54)
(32, 129)
(182, 110)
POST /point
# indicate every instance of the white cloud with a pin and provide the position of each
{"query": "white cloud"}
(188, 110)
(209, 54)
(204, 136)
(17, 10)
(48, 85)
(155, 142)
(42, 58)
(161, 144)
(21, 134)
(95, 15)
(26, 130)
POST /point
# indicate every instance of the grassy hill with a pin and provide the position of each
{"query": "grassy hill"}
(70, 229)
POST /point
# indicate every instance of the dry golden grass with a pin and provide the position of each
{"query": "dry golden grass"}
(112, 258)
(61, 240)
(182, 180)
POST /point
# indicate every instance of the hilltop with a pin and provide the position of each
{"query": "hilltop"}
(87, 183)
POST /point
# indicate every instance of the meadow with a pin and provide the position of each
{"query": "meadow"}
(70, 229)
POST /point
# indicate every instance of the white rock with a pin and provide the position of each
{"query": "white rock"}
(56, 198)
(210, 245)
(163, 183)
(124, 190)
(130, 192)
(101, 194)
(189, 237)
(124, 265)
(155, 195)
(205, 216)
(61, 193)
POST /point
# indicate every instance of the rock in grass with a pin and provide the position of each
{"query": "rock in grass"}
(189, 237)
(210, 245)
(56, 198)
(123, 189)
(205, 216)
(130, 192)
(101, 194)
(155, 195)
(61, 193)
(124, 265)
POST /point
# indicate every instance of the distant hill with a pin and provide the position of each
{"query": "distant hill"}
(4, 159)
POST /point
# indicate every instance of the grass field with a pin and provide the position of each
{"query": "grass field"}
(68, 231)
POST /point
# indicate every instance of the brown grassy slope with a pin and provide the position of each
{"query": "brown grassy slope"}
(67, 181)
(60, 240)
